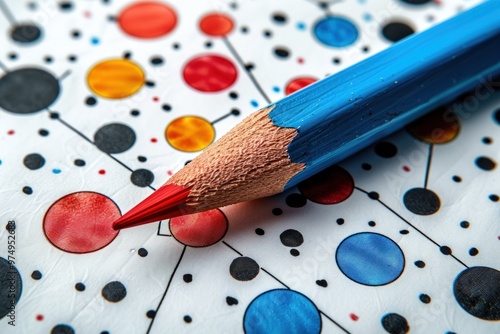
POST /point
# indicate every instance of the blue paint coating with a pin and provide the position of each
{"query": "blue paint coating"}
(346, 112)
(281, 311)
(370, 259)
(335, 31)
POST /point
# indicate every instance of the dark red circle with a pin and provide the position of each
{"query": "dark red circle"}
(199, 229)
(81, 222)
(210, 73)
(298, 83)
(331, 186)
(147, 19)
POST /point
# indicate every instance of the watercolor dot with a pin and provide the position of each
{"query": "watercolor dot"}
(216, 24)
(331, 186)
(39, 317)
(34, 161)
(36, 275)
(353, 317)
(438, 127)
(276, 89)
(254, 103)
(200, 229)
(142, 252)
(147, 19)
(394, 323)
(116, 78)
(25, 33)
(188, 278)
(187, 319)
(114, 291)
(424, 298)
(210, 73)
(190, 133)
(473, 251)
(244, 269)
(340, 221)
(142, 177)
(102, 171)
(81, 222)
(421, 201)
(80, 287)
(114, 138)
(464, 224)
(420, 264)
(94, 41)
(27, 190)
(294, 252)
(291, 238)
(56, 171)
(154, 140)
(370, 259)
(485, 163)
(298, 83)
(406, 169)
(281, 311)
(11, 132)
(445, 250)
(396, 31)
(335, 31)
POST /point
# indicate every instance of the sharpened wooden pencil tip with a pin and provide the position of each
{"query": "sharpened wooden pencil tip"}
(167, 202)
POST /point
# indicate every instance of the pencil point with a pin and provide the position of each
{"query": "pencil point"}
(166, 202)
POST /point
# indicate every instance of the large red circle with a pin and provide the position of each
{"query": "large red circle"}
(81, 222)
(216, 24)
(298, 83)
(148, 19)
(331, 186)
(199, 229)
(210, 73)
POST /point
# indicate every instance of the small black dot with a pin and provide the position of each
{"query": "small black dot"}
(72, 58)
(473, 251)
(188, 278)
(80, 287)
(235, 112)
(27, 190)
(141, 158)
(464, 224)
(259, 231)
(43, 132)
(135, 112)
(143, 252)
(166, 107)
(233, 5)
(90, 101)
(150, 83)
(267, 33)
(336, 60)
(291, 238)
(366, 166)
(231, 301)
(424, 298)
(281, 52)
(420, 264)
(404, 232)
(279, 18)
(150, 314)
(321, 282)
(340, 221)
(12, 56)
(62, 329)
(79, 162)
(485, 163)
(156, 60)
(244, 30)
(114, 291)
(34, 161)
(36, 275)
(371, 223)
(208, 45)
(233, 95)
(294, 252)
(187, 319)
(445, 250)
(277, 211)
(487, 140)
(386, 150)
(104, 332)
(456, 178)
(296, 200)
(176, 46)
(65, 5)
(373, 195)
(75, 34)
(323, 5)
(142, 177)
(365, 49)
(48, 59)
(396, 31)
(127, 54)
(493, 198)
(250, 66)
(244, 268)
(54, 115)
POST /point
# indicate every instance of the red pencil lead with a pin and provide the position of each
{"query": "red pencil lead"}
(167, 202)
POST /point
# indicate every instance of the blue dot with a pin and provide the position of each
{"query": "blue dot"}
(367, 17)
(281, 311)
(336, 31)
(94, 40)
(276, 89)
(254, 103)
(370, 259)
(0, 162)
(56, 171)
(301, 26)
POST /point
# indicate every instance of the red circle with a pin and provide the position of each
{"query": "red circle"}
(148, 19)
(298, 83)
(81, 222)
(102, 172)
(199, 229)
(331, 186)
(216, 24)
(39, 317)
(210, 73)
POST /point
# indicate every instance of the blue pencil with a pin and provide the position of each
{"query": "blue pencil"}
(287, 142)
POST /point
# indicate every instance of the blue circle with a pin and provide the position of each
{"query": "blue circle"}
(370, 259)
(281, 311)
(336, 31)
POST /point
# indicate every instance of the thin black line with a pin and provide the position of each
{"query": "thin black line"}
(336, 323)
(280, 282)
(7, 13)
(64, 75)
(221, 118)
(428, 167)
(158, 232)
(166, 290)
(3, 67)
(242, 64)
(225, 243)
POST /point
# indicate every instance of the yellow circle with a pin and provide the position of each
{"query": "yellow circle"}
(115, 78)
(190, 133)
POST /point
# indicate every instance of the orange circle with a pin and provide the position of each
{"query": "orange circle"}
(438, 127)
(190, 133)
(115, 78)
(148, 19)
(216, 24)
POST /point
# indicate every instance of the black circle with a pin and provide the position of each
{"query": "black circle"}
(176, 46)
(79, 162)
(267, 33)
(420, 264)
(477, 291)
(426, 299)
(321, 282)
(487, 140)
(53, 115)
(464, 224)
(34, 161)
(456, 178)
(72, 58)
(11, 286)
(141, 158)
(12, 55)
(396, 31)
(296, 200)
(166, 107)
(150, 314)
(233, 95)
(28, 90)
(187, 319)
(188, 278)
(371, 223)
(156, 60)
(135, 112)
(485, 163)
(48, 59)
(366, 166)
(244, 30)
(416, 2)
(294, 252)
(208, 44)
(90, 101)
(43, 132)
(259, 231)
(421, 201)
(142, 177)
(394, 323)
(62, 329)
(336, 60)
(277, 212)
(75, 34)
(244, 268)
(281, 52)
(291, 238)
(279, 18)
(80, 286)
(235, 112)
(373, 195)
(386, 150)
(114, 291)
(473, 251)
(65, 5)
(404, 232)
(231, 301)
(143, 252)
(27, 190)
(340, 221)
(493, 198)
(445, 250)
(114, 138)
(36, 275)
(25, 33)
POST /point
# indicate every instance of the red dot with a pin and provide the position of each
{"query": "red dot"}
(331, 186)
(87, 14)
(210, 73)
(199, 229)
(102, 172)
(156, 99)
(300, 60)
(154, 140)
(406, 168)
(81, 222)
(10, 132)
(216, 24)
(148, 19)
(169, 172)
(354, 317)
(298, 83)
(39, 317)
